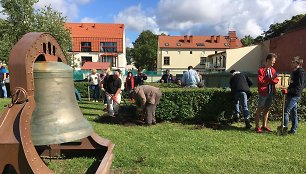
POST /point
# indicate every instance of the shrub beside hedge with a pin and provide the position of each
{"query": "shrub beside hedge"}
(205, 104)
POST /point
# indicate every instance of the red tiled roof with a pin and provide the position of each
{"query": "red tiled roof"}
(208, 42)
(96, 65)
(96, 30)
(95, 33)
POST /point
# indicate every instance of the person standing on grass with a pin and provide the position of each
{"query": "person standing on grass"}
(267, 78)
(294, 91)
(3, 76)
(94, 79)
(129, 82)
(113, 96)
(240, 87)
(148, 97)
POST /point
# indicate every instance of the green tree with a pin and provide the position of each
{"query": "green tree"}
(129, 55)
(145, 50)
(22, 18)
(278, 29)
(247, 40)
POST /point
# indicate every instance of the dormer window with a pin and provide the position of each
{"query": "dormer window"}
(200, 44)
(179, 44)
(167, 44)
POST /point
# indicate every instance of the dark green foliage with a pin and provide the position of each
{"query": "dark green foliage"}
(144, 51)
(247, 40)
(23, 18)
(212, 104)
(205, 104)
(82, 87)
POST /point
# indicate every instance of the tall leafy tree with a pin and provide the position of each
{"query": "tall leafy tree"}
(247, 40)
(278, 29)
(145, 50)
(129, 55)
(22, 18)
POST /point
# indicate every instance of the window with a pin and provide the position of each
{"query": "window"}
(108, 47)
(111, 59)
(200, 44)
(202, 60)
(178, 44)
(166, 60)
(166, 44)
(85, 46)
(86, 59)
(190, 52)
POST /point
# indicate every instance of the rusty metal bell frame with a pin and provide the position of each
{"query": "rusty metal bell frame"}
(18, 149)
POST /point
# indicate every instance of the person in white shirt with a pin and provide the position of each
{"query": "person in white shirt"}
(94, 80)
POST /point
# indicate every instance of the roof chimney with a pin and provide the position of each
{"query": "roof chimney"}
(232, 39)
(212, 39)
(191, 39)
(218, 39)
(185, 39)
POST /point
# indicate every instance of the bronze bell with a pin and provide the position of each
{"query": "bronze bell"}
(57, 117)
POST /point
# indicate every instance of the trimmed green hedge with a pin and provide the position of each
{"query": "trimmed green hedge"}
(205, 104)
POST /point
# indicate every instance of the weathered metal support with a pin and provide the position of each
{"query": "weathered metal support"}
(17, 151)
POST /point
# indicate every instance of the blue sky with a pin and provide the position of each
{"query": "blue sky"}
(181, 17)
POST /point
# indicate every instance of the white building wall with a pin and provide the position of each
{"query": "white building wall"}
(181, 59)
(247, 59)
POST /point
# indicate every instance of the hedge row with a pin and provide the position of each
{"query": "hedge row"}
(206, 104)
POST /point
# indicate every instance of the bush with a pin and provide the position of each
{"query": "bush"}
(204, 104)
(212, 104)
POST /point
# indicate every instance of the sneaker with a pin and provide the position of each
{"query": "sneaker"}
(291, 132)
(265, 128)
(248, 126)
(258, 130)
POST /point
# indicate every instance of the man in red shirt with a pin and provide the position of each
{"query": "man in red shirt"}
(267, 78)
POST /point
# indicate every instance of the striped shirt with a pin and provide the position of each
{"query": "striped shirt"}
(269, 75)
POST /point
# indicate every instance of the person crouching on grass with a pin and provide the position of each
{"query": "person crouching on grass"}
(148, 97)
(267, 78)
(294, 91)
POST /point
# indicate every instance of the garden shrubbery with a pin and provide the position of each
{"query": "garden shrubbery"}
(205, 104)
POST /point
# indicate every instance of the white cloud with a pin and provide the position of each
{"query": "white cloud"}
(217, 17)
(88, 20)
(135, 19)
(69, 8)
(128, 43)
(2, 16)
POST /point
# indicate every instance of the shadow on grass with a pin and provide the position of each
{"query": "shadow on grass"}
(220, 126)
(120, 120)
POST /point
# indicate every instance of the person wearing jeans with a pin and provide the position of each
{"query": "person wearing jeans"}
(3, 76)
(294, 91)
(240, 88)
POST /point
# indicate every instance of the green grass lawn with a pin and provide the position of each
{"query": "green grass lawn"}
(178, 148)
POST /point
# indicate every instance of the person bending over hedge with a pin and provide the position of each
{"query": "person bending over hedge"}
(148, 98)
(240, 87)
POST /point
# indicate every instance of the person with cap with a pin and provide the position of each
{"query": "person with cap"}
(240, 87)
(148, 97)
